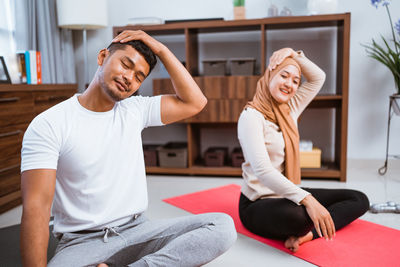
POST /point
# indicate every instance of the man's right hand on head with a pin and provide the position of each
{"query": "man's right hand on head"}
(152, 43)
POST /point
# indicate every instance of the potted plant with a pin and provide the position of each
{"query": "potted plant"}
(239, 11)
(387, 54)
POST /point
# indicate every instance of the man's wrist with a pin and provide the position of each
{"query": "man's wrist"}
(161, 51)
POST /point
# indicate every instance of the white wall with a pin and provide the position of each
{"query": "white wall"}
(370, 82)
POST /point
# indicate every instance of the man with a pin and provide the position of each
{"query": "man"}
(86, 152)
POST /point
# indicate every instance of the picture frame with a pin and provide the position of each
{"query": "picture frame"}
(4, 75)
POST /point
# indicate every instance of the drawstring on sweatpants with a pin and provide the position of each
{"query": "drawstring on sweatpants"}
(112, 230)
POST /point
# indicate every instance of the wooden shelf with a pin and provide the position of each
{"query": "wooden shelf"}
(196, 170)
(320, 173)
(228, 94)
(330, 172)
(326, 101)
(37, 87)
(238, 25)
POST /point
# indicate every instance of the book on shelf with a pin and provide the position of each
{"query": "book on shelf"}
(28, 68)
(39, 67)
(21, 67)
(33, 66)
(32, 62)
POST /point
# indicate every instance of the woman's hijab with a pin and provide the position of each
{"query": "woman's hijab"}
(279, 113)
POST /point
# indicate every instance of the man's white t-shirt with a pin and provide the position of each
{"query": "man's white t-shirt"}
(100, 178)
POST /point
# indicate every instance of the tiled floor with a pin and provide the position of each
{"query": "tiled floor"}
(362, 175)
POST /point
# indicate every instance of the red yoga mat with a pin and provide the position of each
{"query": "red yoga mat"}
(361, 243)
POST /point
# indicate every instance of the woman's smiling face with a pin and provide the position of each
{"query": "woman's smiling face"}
(285, 83)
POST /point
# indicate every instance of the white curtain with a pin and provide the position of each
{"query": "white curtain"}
(7, 39)
(36, 29)
(7, 28)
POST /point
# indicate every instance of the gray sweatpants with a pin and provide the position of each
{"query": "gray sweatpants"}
(185, 241)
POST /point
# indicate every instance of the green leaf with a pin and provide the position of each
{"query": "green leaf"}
(386, 55)
(238, 2)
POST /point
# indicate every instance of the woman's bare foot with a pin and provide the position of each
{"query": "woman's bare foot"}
(293, 243)
(102, 265)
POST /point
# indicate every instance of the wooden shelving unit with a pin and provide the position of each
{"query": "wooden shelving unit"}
(226, 102)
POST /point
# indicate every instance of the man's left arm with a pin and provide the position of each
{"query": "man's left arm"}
(189, 99)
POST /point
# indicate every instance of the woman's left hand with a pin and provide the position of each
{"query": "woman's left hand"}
(279, 55)
(320, 216)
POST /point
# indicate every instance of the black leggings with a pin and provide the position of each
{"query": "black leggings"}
(280, 218)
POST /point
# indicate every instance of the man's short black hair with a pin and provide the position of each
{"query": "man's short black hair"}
(143, 49)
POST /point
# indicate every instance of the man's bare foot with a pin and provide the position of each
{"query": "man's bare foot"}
(293, 243)
(102, 265)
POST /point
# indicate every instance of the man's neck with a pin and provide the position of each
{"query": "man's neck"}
(95, 99)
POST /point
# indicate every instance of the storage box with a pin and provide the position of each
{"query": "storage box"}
(237, 157)
(173, 154)
(310, 159)
(242, 66)
(150, 155)
(214, 67)
(216, 156)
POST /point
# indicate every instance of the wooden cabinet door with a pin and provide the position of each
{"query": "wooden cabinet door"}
(10, 188)
(46, 99)
(15, 108)
(10, 145)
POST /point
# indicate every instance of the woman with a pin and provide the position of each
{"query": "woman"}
(271, 205)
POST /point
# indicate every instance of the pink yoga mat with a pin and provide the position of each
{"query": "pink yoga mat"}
(359, 244)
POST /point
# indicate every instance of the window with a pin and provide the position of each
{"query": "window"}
(7, 38)
(7, 28)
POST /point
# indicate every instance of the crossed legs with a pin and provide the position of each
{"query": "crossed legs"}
(186, 241)
(280, 218)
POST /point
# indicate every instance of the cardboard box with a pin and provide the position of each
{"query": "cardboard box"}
(310, 159)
